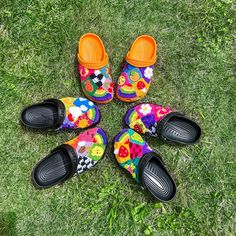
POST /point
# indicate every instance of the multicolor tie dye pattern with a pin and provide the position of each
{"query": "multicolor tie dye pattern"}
(134, 82)
(129, 147)
(97, 85)
(90, 147)
(79, 113)
(144, 117)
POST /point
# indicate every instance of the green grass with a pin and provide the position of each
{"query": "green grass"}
(195, 74)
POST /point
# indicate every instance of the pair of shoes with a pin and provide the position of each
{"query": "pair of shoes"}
(75, 156)
(94, 70)
(75, 113)
(137, 157)
(131, 151)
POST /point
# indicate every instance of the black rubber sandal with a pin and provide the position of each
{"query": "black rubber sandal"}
(73, 157)
(55, 168)
(146, 166)
(177, 128)
(156, 120)
(64, 113)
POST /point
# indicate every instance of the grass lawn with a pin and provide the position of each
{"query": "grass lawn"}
(195, 74)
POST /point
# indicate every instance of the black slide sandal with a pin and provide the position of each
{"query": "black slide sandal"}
(64, 113)
(42, 116)
(73, 157)
(156, 178)
(146, 166)
(55, 168)
(177, 128)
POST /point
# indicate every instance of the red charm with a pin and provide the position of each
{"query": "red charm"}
(140, 85)
(94, 140)
(70, 118)
(123, 152)
(88, 86)
(138, 128)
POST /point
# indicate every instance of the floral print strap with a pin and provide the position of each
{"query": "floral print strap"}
(144, 117)
(90, 147)
(79, 113)
(134, 82)
(129, 148)
(97, 84)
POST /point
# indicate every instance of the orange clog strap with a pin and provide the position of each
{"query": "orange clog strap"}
(91, 52)
(136, 55)
(93, 65)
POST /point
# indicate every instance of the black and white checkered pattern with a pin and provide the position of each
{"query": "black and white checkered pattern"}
(152, 130)
(98, 78)
(84, 163)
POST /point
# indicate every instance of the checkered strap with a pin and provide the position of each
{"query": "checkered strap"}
(98, 78)
(153, 130)
(84, 163)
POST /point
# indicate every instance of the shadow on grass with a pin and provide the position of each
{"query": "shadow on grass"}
(8, 224)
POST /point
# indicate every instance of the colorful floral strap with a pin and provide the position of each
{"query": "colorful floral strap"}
(129, 148)
(97, 84)
(134, 82)
(144, 117)
(90, 147)
(79, 113)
